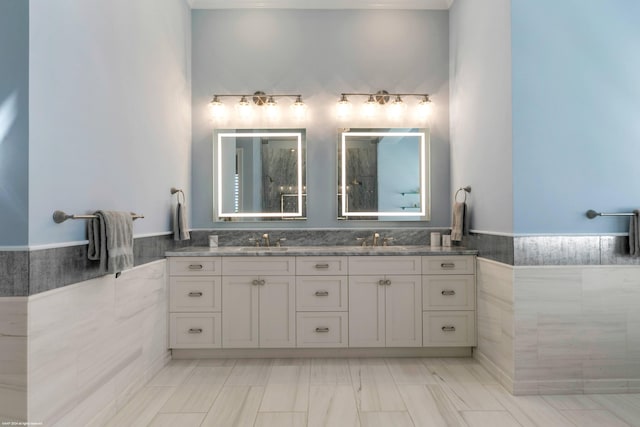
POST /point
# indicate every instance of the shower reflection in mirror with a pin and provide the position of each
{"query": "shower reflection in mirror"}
(260, 174)
(383, 174)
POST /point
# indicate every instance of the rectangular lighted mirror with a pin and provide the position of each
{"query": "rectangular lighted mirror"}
(383, 174)
(260, 174)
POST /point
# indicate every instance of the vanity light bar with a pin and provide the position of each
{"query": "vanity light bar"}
(383, 97)
(423, 190)
(259, 98)
(221, 214)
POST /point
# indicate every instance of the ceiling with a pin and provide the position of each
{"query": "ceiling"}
(320, 4)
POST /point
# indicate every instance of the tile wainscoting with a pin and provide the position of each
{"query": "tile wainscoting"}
(90, 346)
(560, 329)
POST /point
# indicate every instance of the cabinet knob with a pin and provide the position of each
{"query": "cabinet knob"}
(195, 267)
(387, 282)
(195, 294)
(322, 329)
(322, 293)
(322, 266)
(381, 282)
(195, 330)
(448, 292)
(448, 329)
(262, 282)
(255, 282)
(448, 265)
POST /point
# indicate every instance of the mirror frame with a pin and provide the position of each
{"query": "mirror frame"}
(257, 133)
(425, 206)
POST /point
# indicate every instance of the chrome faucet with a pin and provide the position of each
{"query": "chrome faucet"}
(265, 240)
(376, 236)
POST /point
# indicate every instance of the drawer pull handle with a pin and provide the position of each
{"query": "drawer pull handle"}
(322, 293)
(448, 329)
(195, 267)
(322, 329)
(195, 294)
(195, 330)
(448, 265)
(448, 293)
(322, 266)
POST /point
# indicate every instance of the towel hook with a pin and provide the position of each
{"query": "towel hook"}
(466, 190)
(175, 190)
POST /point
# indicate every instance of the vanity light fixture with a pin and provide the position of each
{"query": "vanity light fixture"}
(343, 109)
(245, 108)
(379, 100)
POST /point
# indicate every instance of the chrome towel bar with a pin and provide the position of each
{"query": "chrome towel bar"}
(592, 214)
(60, 216)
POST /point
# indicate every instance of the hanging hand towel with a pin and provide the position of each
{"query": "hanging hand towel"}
(111, 240)
(180, 227)
(458, 221)
(634, 234)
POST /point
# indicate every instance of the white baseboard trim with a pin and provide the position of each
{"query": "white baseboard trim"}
(283, 353)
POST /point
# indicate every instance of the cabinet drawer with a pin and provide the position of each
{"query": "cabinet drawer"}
(322, 329)
(195, 330)
(194, 266)
(454, 292)
(324, 293)
(461, 264)
(381, 265)
(263, 266)
(194, 294)
(449, 328)
(315, 266)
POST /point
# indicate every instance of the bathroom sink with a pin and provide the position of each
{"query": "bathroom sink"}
(263, 249)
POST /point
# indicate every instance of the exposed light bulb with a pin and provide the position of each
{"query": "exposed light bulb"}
(343, 109)
(271, 109)
(370, 107)
(217, 109)
(299, 108)
(397, 108)
(244, 108)
(424, 108)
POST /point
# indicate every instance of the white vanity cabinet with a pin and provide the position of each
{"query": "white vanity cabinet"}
(333, 301)
(449, 301)
(385, 301)
(258, 302)
(195, 302)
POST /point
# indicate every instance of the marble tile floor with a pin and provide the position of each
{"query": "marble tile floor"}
(388, 392)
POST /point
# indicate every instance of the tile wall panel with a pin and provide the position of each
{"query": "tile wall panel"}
(13, 359)
(94, 343)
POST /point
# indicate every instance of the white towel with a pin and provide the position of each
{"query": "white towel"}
(458, 221)
(180, 227)
(634, 234)
(110, 237)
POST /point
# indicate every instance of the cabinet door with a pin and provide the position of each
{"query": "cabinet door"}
(239, 312)
(278, 312)
(403, 311)
(366, 311)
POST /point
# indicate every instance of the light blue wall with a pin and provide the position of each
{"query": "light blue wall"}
(480, 73)
(110, 112)
(14, 122)
(576, 114)
(319, 53)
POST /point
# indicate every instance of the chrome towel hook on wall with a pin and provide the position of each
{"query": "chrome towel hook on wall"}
(175, 190)
(466, 190)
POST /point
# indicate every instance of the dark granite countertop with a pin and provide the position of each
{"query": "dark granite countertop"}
(319, 250)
